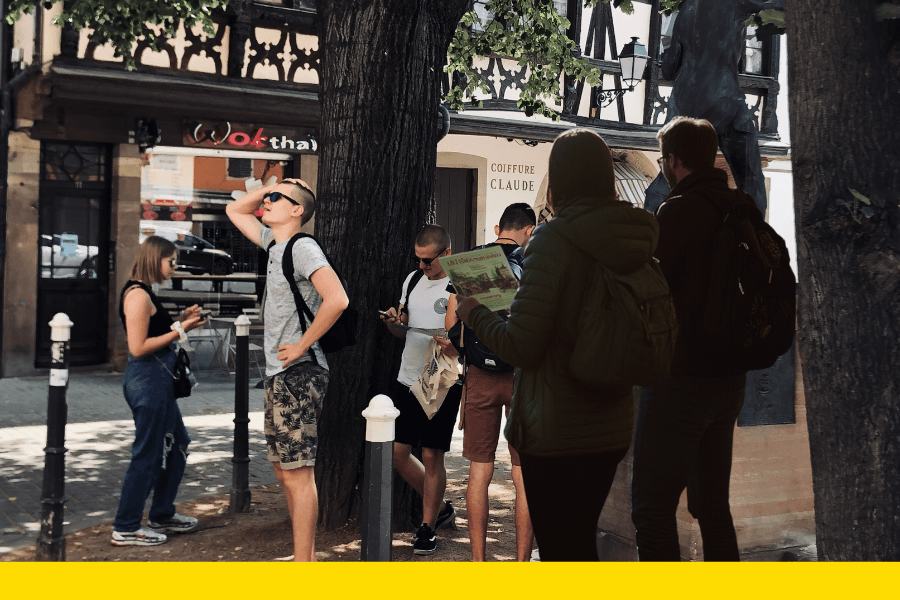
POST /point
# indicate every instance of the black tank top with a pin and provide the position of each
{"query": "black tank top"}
(160, 322)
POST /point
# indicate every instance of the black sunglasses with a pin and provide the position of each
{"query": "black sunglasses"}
(427, 261)
(276, 196)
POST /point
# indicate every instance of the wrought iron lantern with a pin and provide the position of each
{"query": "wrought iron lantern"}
(632, 61)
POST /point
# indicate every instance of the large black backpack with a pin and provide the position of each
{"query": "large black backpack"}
(343, 332)
(748, 318)
(467, 343)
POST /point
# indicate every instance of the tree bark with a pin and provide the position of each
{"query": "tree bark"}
(380, 90)
(844, 70)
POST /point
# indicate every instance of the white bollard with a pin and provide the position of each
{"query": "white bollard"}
(242, 326)
(377, 480)
(380, 417)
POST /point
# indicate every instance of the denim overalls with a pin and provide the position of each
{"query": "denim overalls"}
(157, 461)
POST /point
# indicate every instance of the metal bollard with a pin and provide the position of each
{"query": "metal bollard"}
(51, 543)
(240, 480)
(377, 480)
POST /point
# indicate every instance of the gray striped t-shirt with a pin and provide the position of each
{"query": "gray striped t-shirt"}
(280, 318)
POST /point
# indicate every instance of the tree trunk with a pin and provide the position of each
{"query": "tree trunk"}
(380, 90)
(844, 70)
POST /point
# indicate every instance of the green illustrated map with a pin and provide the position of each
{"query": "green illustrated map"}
(483, 274)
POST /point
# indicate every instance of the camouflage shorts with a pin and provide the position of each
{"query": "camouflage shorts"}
(293, 403)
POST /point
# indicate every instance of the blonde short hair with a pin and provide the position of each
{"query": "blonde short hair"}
(148, 262)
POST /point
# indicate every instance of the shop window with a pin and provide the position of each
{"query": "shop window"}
(240, 168)
(183, 199)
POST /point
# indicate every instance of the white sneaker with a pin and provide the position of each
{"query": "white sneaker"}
(174, 524)
(141, 537)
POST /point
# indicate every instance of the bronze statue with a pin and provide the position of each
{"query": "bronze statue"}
(707, 43)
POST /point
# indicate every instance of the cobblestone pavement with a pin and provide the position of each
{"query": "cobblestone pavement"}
(98, 438)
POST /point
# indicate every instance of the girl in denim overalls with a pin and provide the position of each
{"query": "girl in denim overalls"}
(159, 453)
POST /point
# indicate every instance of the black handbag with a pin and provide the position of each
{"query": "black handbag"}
(183, 379)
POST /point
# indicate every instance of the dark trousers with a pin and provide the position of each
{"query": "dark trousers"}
(157, 460)
(684, 438)
(565, 496)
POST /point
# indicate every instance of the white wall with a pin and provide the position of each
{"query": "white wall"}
(779, 173)
(507, 172)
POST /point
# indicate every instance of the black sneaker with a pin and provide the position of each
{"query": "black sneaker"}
(447, 517)
(426, 540)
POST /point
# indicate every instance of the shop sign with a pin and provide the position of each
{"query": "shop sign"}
(228, 135)
(166, 210)
(512, 178)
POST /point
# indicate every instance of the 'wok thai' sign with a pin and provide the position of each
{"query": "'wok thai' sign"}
(228, 135)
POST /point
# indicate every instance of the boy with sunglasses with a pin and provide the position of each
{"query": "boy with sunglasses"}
(423, 304)
(296, 371)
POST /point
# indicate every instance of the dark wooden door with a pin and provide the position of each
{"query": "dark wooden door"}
(453, 194)
(73, 257)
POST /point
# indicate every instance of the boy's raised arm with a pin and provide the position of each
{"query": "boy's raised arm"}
(241, 213)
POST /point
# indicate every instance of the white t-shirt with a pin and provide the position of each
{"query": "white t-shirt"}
(427, 306)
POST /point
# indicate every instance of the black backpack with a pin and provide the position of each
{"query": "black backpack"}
(467, 343)
(343, 332)
(750, 311)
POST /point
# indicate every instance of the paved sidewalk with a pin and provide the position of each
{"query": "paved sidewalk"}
(98, 438)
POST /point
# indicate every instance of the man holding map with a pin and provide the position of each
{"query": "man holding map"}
(488, 392)
(423, 304)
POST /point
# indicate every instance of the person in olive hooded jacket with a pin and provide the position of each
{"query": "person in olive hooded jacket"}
(570, 439)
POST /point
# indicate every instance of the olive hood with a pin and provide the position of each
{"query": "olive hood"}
(616, 233)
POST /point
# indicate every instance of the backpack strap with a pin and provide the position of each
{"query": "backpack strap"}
(412, 284)
(287, 269)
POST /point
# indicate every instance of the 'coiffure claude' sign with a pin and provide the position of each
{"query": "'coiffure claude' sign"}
(227, 135)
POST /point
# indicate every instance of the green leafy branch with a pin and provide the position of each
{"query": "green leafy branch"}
(667, 7)
(121, 23)
(530, 32)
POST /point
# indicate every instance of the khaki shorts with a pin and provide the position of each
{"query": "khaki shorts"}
(486, 396)
(293, 403)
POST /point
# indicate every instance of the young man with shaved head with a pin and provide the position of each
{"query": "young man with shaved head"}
(423, 304)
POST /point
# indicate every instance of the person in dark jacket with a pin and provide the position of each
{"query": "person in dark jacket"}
(570, 439)
(685, 425)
